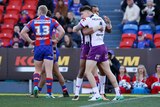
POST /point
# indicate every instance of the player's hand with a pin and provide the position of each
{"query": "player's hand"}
(74, 29)
(106, 19)
(55, 41)
(32, 43)
(101, 28)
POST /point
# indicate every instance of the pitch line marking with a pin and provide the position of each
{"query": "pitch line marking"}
(115, 102)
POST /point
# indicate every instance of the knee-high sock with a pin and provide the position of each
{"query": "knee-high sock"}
(78, 85)
(36, 78)
(49, 85)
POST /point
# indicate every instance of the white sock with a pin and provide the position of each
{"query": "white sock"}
(117, 90)
(96, 91)
(102, 80)
(78, 85)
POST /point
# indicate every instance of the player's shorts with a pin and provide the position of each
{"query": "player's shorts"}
(84, 51)
(57, 55)
(43, 52)
(98, 53)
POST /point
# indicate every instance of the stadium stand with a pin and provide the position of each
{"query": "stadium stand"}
(146, 29)
(128, 37)
(130, 28)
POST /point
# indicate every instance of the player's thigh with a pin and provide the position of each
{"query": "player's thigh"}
(90, 64)
(82, 65)
(106, 68)
(38, 66)
(48, 65)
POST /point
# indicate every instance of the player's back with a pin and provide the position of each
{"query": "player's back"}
(42, 28)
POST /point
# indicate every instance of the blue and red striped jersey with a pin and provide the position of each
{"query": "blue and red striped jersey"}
(42, 28)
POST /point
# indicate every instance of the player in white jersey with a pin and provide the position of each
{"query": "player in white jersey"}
(98, 54)
(85, 39)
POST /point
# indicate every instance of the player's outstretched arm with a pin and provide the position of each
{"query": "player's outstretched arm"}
(24, 35)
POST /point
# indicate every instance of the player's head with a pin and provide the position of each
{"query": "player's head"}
(85, 11)
(42, 10)
(95, 9)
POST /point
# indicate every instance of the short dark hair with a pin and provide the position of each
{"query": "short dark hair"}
(86, 7)
(94, 6)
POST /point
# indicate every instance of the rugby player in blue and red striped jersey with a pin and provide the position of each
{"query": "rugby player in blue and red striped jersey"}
(42, 28)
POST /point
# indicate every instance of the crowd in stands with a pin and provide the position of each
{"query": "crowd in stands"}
(141, 83)
(143, 16)
(15, 14)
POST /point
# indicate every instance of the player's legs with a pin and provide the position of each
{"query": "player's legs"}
(49, 77)
(43, 79)
(36, 76)
(95, 74)
(79, 78)
(104, 66)
(102, 80)
(90, 64)
(60, 79)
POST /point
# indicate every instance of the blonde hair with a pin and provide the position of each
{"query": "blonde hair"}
(144, 72)
(43, 9)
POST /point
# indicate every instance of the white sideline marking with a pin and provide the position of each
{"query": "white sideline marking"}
(114, 102)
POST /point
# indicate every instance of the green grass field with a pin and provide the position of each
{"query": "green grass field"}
(22, 100)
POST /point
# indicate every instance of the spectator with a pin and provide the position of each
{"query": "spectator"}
(71, 20)
(15, 45)
(149, 13)
(48, 3)
(139, 3)
(131, 15)
(62, 8)
(75, 36)
(68, 42)
(114, 65)
(124, 80)
(154, 81)
(75, 8)
(139, 81)
(142, 42)
(24, 18)
(58, 16)
(66, 2)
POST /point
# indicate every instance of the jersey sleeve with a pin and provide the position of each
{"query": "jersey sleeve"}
(55, 22)
(29, 24)
(85, 22)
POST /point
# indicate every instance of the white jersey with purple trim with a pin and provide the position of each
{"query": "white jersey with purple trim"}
(85, 39)
(92, 21)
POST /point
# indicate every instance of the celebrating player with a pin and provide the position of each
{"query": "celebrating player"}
(97, 53)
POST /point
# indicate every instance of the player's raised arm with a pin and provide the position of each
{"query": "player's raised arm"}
(108, 24)
(24, 35)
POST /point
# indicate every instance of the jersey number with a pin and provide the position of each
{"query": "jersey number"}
(45, 30)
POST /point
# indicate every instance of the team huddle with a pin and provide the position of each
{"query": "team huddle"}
(94, 53)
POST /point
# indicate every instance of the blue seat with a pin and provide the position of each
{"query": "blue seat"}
(130, 28)
(158, 29)
(146, 29)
